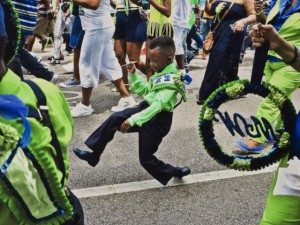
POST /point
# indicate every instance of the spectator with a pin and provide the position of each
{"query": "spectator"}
(77, 35)
(224, 58)
(27, 12)
(64, 19)
(205, 24)
(182, 14)
(45, 20)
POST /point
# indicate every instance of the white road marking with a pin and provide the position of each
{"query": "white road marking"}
(151, 184)
(73, 95)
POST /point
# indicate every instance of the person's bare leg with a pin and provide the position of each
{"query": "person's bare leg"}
(120, 52)
(180, 62)
(86, 95)
(30, 42)
(41, 37)
(149, 70)
(76, 58)
(134, 52)
(119, 84)
(251, 143)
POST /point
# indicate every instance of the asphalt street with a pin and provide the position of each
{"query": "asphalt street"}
(118, 191)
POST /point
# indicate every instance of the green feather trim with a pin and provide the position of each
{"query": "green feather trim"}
(277, 96)
(172, 87)
(155, 29)
(9, 140)
(241, 164)
(13, 30)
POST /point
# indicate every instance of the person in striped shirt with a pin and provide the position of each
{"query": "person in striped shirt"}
(27, 12)
(45, 22)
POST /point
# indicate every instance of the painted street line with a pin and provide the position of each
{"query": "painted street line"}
(151, 184)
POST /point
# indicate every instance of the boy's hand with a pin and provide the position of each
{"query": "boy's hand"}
(130, 67)
(125, 126)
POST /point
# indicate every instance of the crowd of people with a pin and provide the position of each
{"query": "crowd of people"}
(108, 37)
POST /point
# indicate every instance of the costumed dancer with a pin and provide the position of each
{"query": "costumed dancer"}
(283, 202)
(33, 142)
(152, 118)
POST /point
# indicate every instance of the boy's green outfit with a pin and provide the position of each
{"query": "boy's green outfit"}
(160, 93)
(37, 194)
(152, 119)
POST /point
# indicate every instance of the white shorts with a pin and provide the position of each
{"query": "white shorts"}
(180, 35)
(97, 54)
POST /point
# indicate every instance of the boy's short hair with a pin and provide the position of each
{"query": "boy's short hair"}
(164, 42)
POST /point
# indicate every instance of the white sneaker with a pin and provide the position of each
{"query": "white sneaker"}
(67, 53)
(54, 78)
(81, 110)
(124, 103)
(69, 67)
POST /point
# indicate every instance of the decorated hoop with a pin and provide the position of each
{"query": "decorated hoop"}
(234, 90)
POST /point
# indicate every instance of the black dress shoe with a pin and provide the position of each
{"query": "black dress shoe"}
(90, 157)
(200, 102)
(182, 172)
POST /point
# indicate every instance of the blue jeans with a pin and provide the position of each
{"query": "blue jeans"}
(205, 27)
(30, 63)
(193, 35)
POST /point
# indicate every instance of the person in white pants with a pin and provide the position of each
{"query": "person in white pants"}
(64, 19)
(97, 54)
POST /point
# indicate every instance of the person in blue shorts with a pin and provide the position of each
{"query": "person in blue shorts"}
(77, 35)
(129, 36)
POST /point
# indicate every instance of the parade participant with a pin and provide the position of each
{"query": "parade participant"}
(129, 36)
(35, 129)
(160, 23)
(285, 17)
(283, 202)
(152, 118)
(288, 52)
(97, 54)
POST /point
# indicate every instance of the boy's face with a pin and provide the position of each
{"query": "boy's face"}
(159, 59)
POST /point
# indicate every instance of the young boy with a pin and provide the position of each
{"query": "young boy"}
(152, 118)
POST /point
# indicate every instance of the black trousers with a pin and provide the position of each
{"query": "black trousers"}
(151, 134)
